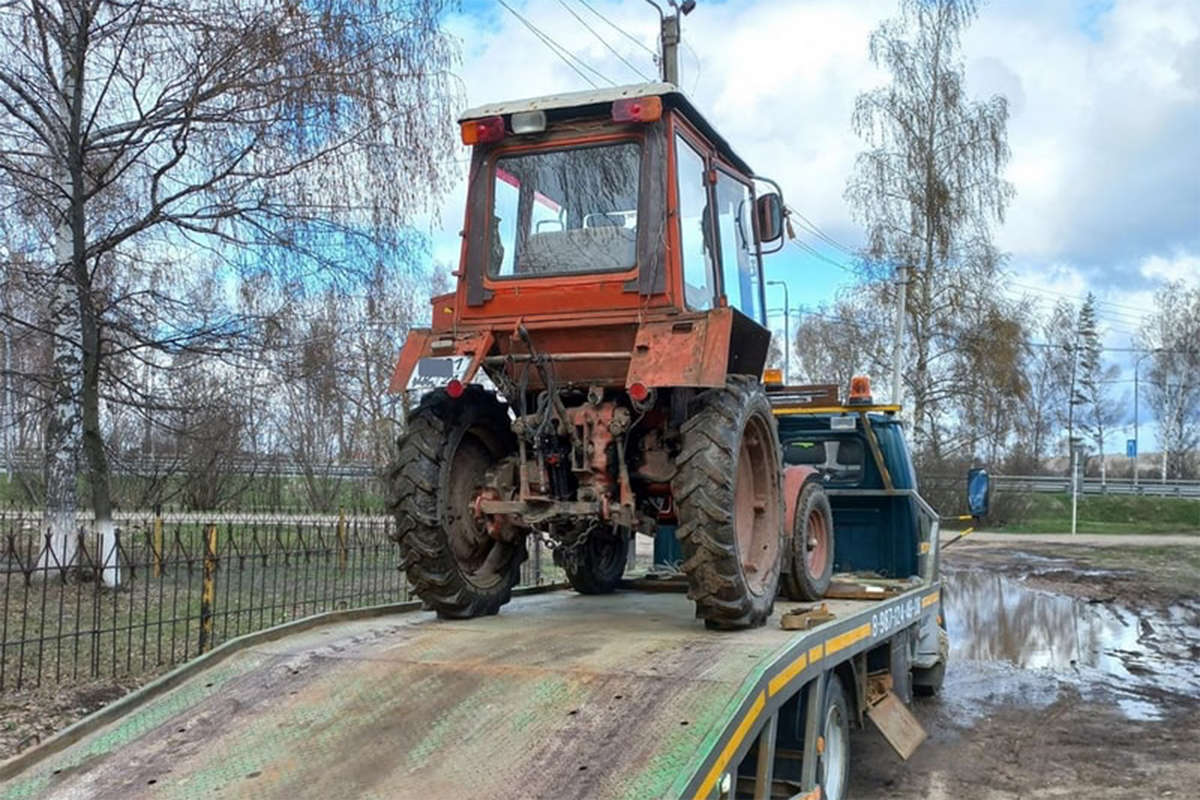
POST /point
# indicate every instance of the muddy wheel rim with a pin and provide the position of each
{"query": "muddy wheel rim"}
(816, 544)
(481, 559)
(833, 760)
(756, 505)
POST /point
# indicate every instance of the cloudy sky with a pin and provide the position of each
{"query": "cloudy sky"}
(1104, 127)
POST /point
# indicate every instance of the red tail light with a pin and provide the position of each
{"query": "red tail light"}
(637, 109)
(483, 131)
(639, 392)
(455, 388)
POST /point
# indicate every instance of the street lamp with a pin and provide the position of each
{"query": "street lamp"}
(787, 333)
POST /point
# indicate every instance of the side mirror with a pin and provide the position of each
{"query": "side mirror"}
(769, 213)
(979, 492)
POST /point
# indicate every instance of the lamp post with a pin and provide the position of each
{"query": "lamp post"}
(1137, 452)
(787, 333)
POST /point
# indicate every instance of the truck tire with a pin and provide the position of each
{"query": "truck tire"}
(811, 546)
(598, 565)
(730, 505)
(833, 762)
(449, 445)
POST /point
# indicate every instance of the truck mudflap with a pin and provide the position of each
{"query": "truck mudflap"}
(617, 696)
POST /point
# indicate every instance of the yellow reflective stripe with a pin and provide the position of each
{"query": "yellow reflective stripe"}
(815, 654)
(848, 638)
(930, 599)
(784, 678)
(731, 747)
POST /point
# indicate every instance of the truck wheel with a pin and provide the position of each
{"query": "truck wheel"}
(833, 761)
(597, 567)
(730, 507)
(455, 566)
(811, 545)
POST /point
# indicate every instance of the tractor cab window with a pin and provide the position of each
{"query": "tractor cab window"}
(565, 212)
(739, 258)
(695, 228)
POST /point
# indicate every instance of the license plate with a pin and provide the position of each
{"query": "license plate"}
(435, 373)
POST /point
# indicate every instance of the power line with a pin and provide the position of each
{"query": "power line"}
(620, 30)
(816, 229)
(602, 40)
(560, 51)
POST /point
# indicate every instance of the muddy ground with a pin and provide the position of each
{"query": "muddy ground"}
(1075, 673)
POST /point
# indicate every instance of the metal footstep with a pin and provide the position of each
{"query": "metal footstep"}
(897, 724)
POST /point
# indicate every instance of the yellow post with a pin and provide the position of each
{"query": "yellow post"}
(341, 535)
(157, 542)
(208, 591)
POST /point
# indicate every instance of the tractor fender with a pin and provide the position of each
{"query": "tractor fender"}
(794, 479)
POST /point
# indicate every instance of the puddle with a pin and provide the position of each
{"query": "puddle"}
(1133, 655)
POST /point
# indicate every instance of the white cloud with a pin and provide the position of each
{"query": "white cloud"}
(1183, 267)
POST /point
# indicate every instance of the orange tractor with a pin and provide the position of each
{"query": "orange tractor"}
(597, 371)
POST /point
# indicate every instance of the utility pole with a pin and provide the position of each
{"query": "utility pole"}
(669, 37)
(787, 333)
(898, 344)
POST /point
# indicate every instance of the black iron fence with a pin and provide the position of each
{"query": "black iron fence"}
(158, 590)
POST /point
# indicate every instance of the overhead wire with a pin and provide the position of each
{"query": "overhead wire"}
(619, 29)
(563, 53)
(603, 41)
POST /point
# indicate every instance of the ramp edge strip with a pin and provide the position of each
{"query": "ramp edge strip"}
(165, 683)
(848, 636)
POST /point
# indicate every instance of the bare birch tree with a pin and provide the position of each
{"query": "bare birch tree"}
(145, 134)
(1173, 385)
(928, 189)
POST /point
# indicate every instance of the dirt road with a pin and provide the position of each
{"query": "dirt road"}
(1073, 675)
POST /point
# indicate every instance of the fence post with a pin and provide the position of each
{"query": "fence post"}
(341, 536)
(208, 589)
(157, 543)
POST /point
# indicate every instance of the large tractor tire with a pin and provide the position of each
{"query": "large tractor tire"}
(730, 505)
(811, 550)
(597, 566)
(454, 565)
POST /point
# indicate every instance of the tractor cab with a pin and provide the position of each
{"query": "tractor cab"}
(600, 210)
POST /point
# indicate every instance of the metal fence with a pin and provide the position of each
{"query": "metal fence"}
(160, 590)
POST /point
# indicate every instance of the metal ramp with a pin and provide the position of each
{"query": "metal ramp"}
(559, 696)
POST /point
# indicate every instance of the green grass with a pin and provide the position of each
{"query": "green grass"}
(1051, 513)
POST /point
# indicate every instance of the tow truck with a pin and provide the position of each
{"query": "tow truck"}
(626, 398)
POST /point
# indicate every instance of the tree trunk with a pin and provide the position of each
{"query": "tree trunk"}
(63, 426)
(62, 429)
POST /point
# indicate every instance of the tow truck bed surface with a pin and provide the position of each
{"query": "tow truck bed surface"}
(560, 696)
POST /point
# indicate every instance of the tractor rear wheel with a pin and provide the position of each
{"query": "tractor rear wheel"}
(729, 504)
(444, 455)
(811, 551)
(597, 566)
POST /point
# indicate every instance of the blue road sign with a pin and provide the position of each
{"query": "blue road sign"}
(1131, 448)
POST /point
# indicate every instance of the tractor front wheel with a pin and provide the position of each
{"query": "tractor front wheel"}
(444, 455)
(729, 504)
(597, 565)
